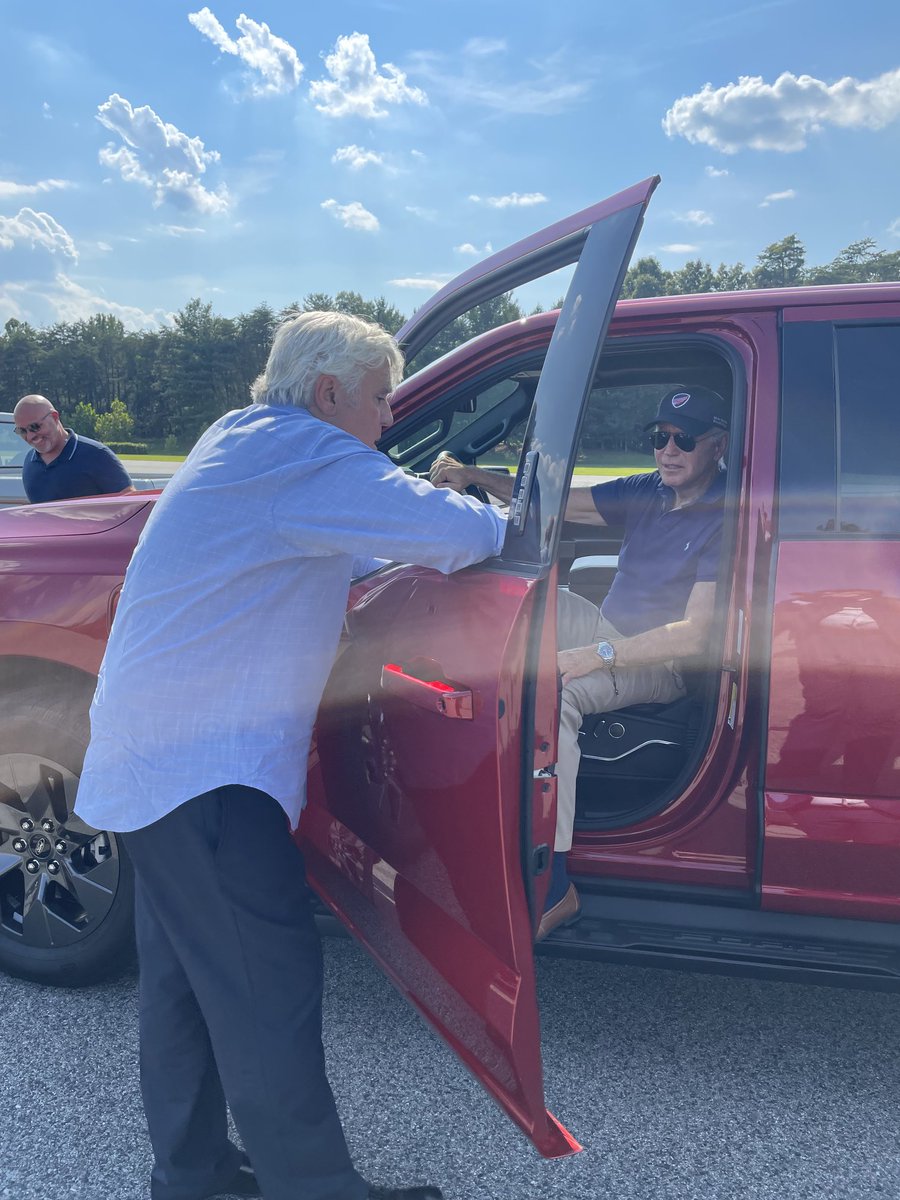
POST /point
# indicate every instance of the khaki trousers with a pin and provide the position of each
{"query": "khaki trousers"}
(579, 622)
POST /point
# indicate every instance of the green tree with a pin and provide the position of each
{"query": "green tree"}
(646, 278)
(730, 278)
(196, 368)
(780, 264)
(352, 303)
(21, 359)
(84, 419)
(694, 276)
(116, 425)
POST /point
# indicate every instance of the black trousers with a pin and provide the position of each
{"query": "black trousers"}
(231, 1004)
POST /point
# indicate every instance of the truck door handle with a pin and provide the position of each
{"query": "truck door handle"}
(435, 695)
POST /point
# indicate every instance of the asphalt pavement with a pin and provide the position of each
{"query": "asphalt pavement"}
(679, 1086)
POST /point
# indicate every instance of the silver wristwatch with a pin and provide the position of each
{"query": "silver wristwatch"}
(606, 652)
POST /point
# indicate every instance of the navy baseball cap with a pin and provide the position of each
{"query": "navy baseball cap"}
(693, 409)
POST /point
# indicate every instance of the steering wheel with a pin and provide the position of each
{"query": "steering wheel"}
(478, 492)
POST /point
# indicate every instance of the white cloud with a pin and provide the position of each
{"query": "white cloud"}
(894, 228)
(64, 300)
(36, 230)
(483, 46)
(788, 194)
(468, 248)
(680, 248)
(716, 173)
(258, 48)
(356, 87)
(513, 200)
(160, 157)
(694, 216)
(426, 214)
(418, 281)
(356, 157)
(781, 115)
(556, 83)
(8, 189)
(181, 230)
(352, 215)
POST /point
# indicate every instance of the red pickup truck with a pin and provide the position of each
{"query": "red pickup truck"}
(753, 825)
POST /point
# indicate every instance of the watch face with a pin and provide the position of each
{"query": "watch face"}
(606, 651)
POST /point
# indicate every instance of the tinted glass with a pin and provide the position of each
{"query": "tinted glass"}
(868, 384)
(807, 480)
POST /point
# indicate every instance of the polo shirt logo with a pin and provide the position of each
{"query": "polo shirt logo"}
(687, 546)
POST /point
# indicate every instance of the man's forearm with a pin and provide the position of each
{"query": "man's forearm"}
(679, 639)
(579, 507)
(448, 471)
(493, 482)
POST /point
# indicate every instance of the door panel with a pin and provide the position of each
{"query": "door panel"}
(412, 830)
(832, 813)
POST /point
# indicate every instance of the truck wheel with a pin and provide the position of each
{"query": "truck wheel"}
(66, 890)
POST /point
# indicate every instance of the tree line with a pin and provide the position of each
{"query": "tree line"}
(165, 386)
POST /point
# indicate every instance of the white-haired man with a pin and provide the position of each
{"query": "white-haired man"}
(225, 633)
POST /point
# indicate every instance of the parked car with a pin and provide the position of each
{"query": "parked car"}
(12, 456)
(753, 826)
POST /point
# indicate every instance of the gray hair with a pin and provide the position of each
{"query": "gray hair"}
(307, 345)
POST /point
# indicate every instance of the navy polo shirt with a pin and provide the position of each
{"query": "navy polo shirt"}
(84, 468)
(664, 552)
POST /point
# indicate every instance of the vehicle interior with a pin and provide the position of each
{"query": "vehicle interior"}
(635, 760)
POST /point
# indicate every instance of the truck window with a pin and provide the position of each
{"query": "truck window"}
(868, 370)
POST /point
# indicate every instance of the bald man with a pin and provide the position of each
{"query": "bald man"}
(60, 464)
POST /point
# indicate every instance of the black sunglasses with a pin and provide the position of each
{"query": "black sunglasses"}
(684, 441)
(21, 430)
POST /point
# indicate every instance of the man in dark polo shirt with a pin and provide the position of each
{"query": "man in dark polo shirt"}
(60, 464)
(660, 607)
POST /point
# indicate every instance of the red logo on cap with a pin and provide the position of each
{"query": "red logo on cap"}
(681, 398)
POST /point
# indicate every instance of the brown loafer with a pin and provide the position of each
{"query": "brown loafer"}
(564, 912)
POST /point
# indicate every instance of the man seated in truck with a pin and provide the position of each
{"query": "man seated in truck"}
(660, 607)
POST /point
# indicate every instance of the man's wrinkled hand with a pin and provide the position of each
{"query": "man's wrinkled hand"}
(575, 663)
(448, 472)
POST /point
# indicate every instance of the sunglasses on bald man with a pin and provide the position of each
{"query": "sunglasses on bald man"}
(32, 427)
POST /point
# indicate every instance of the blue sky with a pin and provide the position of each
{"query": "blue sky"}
(152, 153)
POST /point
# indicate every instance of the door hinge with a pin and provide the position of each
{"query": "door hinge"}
(548, 772)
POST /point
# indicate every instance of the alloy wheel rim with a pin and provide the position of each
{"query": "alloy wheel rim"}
(58, 876)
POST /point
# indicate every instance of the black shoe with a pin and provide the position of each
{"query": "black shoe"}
(413, 1193)
(242, 1183)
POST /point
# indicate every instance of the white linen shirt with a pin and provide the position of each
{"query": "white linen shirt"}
(229, 619)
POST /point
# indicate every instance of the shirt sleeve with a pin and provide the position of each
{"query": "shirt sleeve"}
(357, 502)
(611, 500)
(108, 472)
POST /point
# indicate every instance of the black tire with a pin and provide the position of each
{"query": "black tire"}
(66, 890)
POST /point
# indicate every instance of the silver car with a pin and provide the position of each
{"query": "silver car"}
(12, 455)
